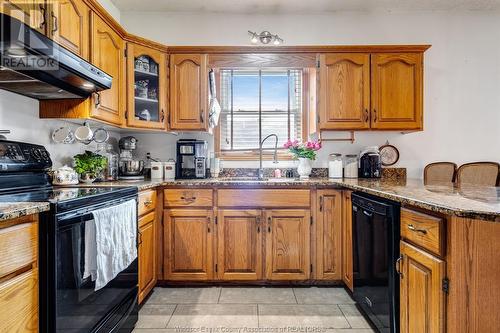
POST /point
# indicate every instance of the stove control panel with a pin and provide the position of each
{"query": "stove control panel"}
(20, 156)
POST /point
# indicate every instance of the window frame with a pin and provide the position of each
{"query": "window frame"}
(253, 154)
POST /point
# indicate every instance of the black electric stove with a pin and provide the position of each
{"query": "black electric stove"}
(68, 302)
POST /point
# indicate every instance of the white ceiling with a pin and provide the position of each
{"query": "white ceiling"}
(301, 6)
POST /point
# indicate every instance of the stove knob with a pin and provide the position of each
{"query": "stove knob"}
(36, 153)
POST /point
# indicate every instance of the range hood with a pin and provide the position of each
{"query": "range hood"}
(33, 65)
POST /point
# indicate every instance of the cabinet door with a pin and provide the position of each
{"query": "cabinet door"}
(188, 92)
(31, 12)
(69, 25)
(397, 91)
(108, 53)
(422, 299)
(19, 303)
(188, 244)
(147, 255)
(347, 268)
(329, 235)
(344, 91)
(239, 245)
(287, 244)
(146, 87)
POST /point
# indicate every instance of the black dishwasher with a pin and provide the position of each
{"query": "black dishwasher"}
(376, 234)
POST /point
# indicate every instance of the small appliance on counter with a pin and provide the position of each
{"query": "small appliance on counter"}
(192, 161)
(370, 165)
(130, 168)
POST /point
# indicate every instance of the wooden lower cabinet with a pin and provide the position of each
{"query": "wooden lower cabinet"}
(188, 244)
(421, 296)
(329, 235)
(347, 266)
(239, 239)
(19, 274)
(288, 244)
(147, 255)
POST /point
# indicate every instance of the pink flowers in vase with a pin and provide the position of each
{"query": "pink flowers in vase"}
(303, 150)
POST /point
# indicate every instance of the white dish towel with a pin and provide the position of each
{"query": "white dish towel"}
(110, 242)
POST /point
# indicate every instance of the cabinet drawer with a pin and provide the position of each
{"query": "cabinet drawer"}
(188, 197)
(18, 247)
(264, 198)
(19, 303)
(424, 230)
(147, 202)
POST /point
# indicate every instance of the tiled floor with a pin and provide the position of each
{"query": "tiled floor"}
(250, 310)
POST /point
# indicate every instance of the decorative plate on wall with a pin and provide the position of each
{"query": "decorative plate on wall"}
(389, 155)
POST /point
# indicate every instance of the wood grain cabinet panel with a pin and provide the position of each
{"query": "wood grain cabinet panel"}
(31, 12)
(347, 265)
(108, 54)
(69, 25)
(192, 197)
(421, 296)
(147, 255)
(19, 303)
(18, 247)
(146, 202)
(423, 230)
(239, 241)
(188, 92)
(397, 91)
(189, 241)
(329, 235)
(344, 91)
(287, 244)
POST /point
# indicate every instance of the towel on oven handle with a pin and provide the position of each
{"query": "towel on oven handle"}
(110, 242)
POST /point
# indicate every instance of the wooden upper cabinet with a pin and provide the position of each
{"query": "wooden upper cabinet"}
(69, 25)
(397, 91)
(287, 244)
(147, 255)
(344, 91)
(188, 92)
(239, 245)
(421, 297)
(31, 12)
(189, 240)
(146, 87)
(329, 235)
(347, 264)
(108, 53)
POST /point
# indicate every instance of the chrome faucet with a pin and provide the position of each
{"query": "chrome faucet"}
(275, 156)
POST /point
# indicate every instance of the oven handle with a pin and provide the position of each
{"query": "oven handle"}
(88, 210)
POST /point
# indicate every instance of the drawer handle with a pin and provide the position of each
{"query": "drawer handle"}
(188, 199)
(140, 238)
(270, 222)
(257, 221)
(412, 228)
(148, 203)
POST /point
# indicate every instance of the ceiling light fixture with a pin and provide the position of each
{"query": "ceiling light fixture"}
(265, 37)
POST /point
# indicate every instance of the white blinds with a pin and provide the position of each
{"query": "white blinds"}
(256, 103)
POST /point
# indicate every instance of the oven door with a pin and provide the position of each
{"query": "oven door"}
(75, 305)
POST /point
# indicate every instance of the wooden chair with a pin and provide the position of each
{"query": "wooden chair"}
(439, 172)
(478, 173)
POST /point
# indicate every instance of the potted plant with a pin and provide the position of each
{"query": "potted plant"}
(88, 165)
(305, 153)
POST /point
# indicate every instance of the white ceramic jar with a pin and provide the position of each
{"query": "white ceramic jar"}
(169, 170)
(351, 166)
(156, 170)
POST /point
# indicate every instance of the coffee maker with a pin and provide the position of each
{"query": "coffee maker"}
(192, 159)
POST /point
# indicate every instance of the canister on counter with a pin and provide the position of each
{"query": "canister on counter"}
(351, 166)
(156, 170)
(169, 170)
(335, 165)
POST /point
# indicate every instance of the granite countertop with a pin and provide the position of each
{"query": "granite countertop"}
(12, 210)
(467, 201)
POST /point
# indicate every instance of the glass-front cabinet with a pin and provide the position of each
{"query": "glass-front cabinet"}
(147, 107)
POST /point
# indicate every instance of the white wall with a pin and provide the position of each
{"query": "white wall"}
(20, 115)
(111, 9)
(462, 71)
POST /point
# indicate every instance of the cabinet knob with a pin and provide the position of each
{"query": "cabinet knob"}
(367, 115)
(202, 116)
(398, 266)
(97, 100)
(148, 202)
(374, 115)
(43, 12)
(162, 118)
